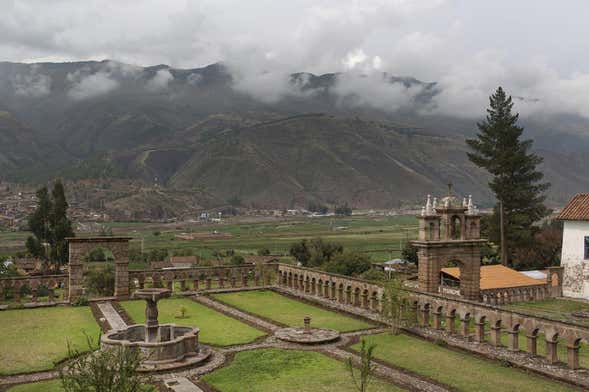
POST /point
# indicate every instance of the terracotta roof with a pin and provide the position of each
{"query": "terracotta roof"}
(576, 209)
(498, 277)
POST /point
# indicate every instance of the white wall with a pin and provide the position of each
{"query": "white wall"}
(576, 268)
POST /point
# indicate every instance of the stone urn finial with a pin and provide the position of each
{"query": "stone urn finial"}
(307, 321)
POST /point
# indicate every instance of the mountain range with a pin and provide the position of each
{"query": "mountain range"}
(193, 130)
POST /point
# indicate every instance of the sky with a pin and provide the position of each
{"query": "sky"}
(537, 49)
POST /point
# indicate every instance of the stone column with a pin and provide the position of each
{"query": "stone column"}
(121, 254)
(450, 327)
(513, 340)
(573, 356)
(244, 280)
(208, 283)
(532, 344)
(222, 282)
(76, 272)
(307, 322)
(437, 318)
(195, 284)
(424, 317)
(496, 335)
(183, 285)
(233, 281)
(464, 321)
(479, 335)
(551, 351)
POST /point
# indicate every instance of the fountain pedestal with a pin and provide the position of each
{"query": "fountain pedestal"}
(162, 347)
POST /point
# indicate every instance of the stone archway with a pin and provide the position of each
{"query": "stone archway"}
(80, 246)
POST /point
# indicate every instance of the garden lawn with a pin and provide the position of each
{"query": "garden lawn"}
(215, 328)
(271, 370)
(33, 339)
(460, 370)
(54, 386)
(289, 311)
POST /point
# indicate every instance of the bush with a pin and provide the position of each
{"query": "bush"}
(82, 300)
(237, 260)
(409, 253)
(263, 252)
(343, 209)
(110, 370)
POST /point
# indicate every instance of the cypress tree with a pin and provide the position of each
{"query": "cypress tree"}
(60, 224)
(39, 225)
(516, 181)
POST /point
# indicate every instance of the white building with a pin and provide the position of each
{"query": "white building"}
(575, 247)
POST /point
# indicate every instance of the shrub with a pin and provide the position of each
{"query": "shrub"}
(82, 300)
(183, 309)
(263, 252)
(237, 260)
(349, 263)
(109, 370)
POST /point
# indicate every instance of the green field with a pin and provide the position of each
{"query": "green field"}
(289, 311)
(460, 370)
(53, 386)
(34, 339)
(272, 370)
(555, 308)
(215, 328)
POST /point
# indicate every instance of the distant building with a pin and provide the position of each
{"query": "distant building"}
(575, 246)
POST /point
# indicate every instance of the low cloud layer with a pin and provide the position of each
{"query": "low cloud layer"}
(535, 49)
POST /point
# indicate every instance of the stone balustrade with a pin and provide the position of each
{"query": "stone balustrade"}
(477, 321)
(13, 288)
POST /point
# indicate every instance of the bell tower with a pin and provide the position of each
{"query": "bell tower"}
(449, 231)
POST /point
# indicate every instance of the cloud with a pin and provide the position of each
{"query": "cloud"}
(160, 80)
(454, 43)
(92, 85)
(32, 84)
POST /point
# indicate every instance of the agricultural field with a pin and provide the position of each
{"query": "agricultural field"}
(462, 371)
(271, 370)
(555, 308)
(291, 312)
(34, 339)
(215, 328)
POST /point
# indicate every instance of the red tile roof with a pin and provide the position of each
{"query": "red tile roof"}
(498, 277)
(576, 209)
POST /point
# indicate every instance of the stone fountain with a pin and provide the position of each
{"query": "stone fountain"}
(307, 334)
(162, 347)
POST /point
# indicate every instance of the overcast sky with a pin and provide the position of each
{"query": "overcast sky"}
(535, 48)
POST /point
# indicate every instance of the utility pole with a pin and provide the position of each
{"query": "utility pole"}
(502, 234)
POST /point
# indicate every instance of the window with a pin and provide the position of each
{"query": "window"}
(586, 248)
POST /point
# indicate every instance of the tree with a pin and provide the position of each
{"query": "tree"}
(101, 280)
(108, 370)
(516, 182)
(50, 226)
(61, 226)
(348, 263)
(396, 309)
(300, 252)
(362, 380)
(409, 253)
(343, 209)
(237, 260)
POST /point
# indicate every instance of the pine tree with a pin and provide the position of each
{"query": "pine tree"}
(516, 182)
(50, 226)
(60, 224)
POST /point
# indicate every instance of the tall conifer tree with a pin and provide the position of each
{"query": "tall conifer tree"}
(516, 181)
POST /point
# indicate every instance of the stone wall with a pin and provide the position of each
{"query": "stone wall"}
(15, 285)
(576, 268)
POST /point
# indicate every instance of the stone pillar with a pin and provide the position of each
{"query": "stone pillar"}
(307, 323)
(496, 335)
(424, 317)
(573, 356)
(195, 284)
(479, 335)
(364, 300)
(157, 281)
(183, 285)
(34, 292)
(141, 280)
(121, 254)
(513, 340)
(50, 294)
(244, 280)
(464, 321)
(437, 318)
(233, 281)
(208, 283)
(552, 351)
(450, 327)
(532, 341)
(76, 272)
(222, 282)
(16, 293)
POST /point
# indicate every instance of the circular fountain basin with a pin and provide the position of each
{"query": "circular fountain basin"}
(174, 347)
(301, 335)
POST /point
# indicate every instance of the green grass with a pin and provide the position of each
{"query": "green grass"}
(53, 386)
(33, 339)
(556, 308)
(42, 386)
(215, 328)
(462, 371)
(272, 370)
(289, 311)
